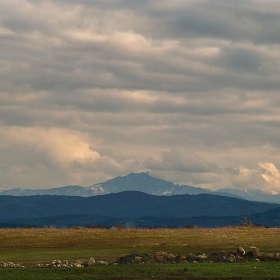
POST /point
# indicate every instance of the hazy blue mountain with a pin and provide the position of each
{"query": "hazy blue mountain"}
(133, 207)
(253, 195)
(145, 183)
(67, 190)
(127, 204)
(134, 181)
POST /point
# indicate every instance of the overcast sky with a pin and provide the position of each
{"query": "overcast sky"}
(93, 89)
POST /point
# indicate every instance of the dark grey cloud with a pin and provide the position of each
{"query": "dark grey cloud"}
(94, 89)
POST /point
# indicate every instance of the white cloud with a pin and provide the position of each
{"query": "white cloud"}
(271, 175)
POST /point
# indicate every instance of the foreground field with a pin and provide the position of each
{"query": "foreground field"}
(234, 271)
(31, 246)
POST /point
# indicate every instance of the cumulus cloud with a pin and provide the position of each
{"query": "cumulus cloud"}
(271, 174)
(53, 153)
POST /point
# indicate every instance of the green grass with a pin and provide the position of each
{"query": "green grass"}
(246, 271)
(30, 246)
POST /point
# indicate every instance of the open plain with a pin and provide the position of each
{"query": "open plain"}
(29, 247)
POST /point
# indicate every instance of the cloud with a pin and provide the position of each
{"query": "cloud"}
(56, 157)
(94, 89)
(189, 168)
(175, 161)
(271, 174)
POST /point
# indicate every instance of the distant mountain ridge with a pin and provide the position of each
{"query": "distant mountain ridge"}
(133, 206)
(145, 183)
(131, 182)
(253, 195)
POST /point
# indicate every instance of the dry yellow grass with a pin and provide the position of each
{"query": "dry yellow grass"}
(50, 243)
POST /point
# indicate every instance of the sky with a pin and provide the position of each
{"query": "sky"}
(187, 90)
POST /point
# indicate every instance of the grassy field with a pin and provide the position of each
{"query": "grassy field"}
(31, 246)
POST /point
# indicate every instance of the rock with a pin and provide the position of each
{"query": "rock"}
(38, 265)
(171, 257)
(161, 256)
(90, 262)
(164, 257)
(190, 257)
(240, 251)
(134, 258)
(238, 258)
(81, 261)
(11, 264)
(277, 256)
(231, 258)
(256, 252)
(102, 263)
(180, 259)
(201, 257)
(267, 256)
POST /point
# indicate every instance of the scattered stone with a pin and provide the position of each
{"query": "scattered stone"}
(277, 256)
(164, 257)
(161, 257)
(190, 257)
(11, 264)
(90, 262)
(38, 265)
(81, 261)
(240, 251)
(238, 258)
(171, 257)
(201, 257)
(231, 258)
(256, 252)
(134, 258)
(102, 263)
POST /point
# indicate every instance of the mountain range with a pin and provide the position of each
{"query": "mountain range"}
(145, 183)
(136, 199)
(132, 207)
